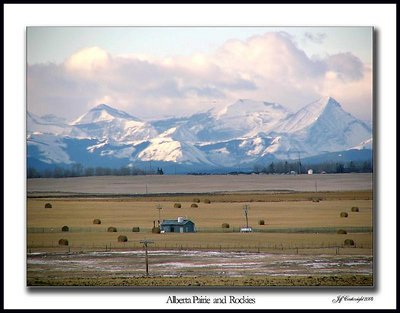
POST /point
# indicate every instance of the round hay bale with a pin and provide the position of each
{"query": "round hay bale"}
(177, 205)
(225, 225)
(344, 214)
(349, 242)
(156, 230)
(48, 206)
(63, 242)
(196, 200)
(207, 201)
(122, 238)
(194, 205)
(261, 222)
(315, 200)
(341, 232)
(96, 221)
(65, 228)
(111, 229)
(355, 209)
(135, 229)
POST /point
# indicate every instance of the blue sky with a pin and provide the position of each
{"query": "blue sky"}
(153, 72)
(55, 44)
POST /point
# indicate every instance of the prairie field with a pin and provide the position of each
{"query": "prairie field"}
(297, 224)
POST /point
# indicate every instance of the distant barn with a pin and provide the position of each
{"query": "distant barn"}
(179, 225)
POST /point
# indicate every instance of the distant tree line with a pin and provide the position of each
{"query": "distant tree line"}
(285, 167)
(77, 170)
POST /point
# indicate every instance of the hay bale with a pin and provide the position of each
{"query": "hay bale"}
(344, 214)
(111, 229)
(135, 229)
(194, 205)
(355, 209)
(341, 232)
(48, 206)
(261, 222)
(177, 205)
(349, 242)
(63, 242)
(315, 200)
(65, 228)
(207, 201)
(96, 221)
(196, 200)
(122, 238)
(225, 225)
(156, 230)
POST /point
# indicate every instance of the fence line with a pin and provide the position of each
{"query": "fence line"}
(302, 230)
(295, 249)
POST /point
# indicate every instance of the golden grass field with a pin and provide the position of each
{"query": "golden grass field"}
(290, 213)
(294, 225)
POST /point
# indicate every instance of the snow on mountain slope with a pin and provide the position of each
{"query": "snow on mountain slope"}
(105, 122)
(102, 113)
(43, 125)
(168, 150)
(179, 133)
(247, 117)
(236, 151)
(245, 132)
(48, 148)
(322, 126)
(305, 116)
(366, 144)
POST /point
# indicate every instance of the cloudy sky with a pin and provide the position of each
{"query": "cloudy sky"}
(153, 72)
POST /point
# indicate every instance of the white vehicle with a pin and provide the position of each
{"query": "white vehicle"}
(246, 230)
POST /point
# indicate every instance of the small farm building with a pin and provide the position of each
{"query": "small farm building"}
(180, 225)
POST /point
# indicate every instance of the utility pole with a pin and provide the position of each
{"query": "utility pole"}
(159, 208)
(145, 243)
(316, 190)
(246, 209)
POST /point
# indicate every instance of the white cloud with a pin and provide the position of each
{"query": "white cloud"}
(88, 60)
(269, 67)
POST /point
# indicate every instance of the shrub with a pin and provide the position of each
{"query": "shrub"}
(96, 221)
(122, 238)
(207, 201)
(341, 232)
(135, 229)
(177, 205)
(48, 206)
(344, 214)
(225, 225)
(63, 242)
(349, 242)
(197, 200)
(355, 209)
(315, 200)
(261, 222)
(194, 205)
(155, 230)
(65, 228)
(112, 229)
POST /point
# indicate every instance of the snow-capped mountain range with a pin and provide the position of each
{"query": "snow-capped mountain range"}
(244, 133)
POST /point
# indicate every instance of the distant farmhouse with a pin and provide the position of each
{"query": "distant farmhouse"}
(179, 225)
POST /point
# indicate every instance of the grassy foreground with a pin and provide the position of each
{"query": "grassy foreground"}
(250, 281)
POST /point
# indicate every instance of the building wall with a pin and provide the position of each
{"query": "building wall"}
(189, 227)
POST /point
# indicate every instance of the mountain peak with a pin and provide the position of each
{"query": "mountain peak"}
(103, 106)
(103, 112)
(329, 101)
